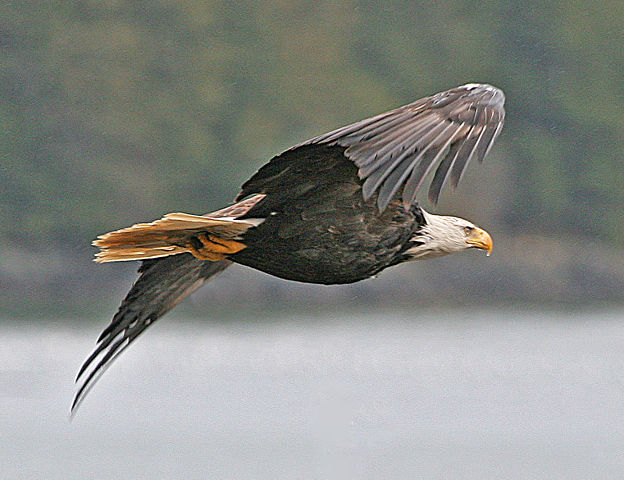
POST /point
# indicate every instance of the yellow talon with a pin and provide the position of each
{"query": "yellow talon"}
(213, 248)
(222, 245)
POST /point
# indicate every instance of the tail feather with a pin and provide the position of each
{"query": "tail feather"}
(207, 238)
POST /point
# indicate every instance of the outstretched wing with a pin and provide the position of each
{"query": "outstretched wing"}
(400, 148)
(164, 282)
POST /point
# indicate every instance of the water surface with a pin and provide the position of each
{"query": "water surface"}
(442, 395)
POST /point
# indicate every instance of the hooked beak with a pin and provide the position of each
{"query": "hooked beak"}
(479, 238)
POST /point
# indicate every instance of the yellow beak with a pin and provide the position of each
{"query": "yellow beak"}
(479, 238)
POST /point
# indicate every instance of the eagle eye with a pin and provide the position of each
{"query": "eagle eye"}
(468, 230)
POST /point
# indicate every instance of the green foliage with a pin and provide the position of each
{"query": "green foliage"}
(113, 112)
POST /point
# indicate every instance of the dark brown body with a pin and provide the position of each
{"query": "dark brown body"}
(320, 229)
(343, 246)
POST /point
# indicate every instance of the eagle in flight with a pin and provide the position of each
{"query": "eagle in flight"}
(335, 209)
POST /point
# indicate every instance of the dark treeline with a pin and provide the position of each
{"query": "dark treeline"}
(115, 112)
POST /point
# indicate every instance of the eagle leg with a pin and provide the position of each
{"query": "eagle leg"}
(213, 248)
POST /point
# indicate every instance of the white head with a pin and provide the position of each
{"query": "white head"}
(442, 235)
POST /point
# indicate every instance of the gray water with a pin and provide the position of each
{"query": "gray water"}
(444, 395)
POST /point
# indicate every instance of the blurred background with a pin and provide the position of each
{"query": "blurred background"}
(117, 112)
(114, 112)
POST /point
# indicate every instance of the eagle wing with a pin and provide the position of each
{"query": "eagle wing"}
(163, 283)
(400, 148)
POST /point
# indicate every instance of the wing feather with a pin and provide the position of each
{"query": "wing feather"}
(463, 156)
(406, 145)
(429, 160)
(381, 144)
(376, 174)
(397, 150)
(393, 184)
(164, 283)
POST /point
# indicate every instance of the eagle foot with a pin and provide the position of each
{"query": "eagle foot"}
(213, 248)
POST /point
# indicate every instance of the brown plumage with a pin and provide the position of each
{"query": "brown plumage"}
(338, 208)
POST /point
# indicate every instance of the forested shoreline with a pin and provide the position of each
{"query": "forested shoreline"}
(118, 112)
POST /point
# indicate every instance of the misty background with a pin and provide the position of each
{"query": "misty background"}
(117, 112)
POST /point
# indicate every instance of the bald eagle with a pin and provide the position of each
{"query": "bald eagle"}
(335, 209)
